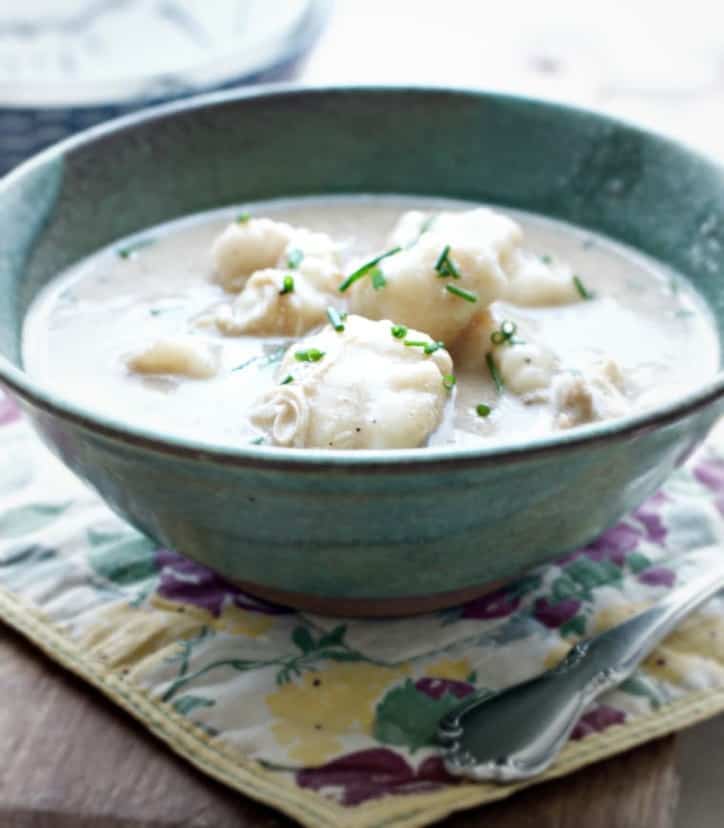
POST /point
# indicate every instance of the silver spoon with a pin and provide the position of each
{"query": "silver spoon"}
(517, 733)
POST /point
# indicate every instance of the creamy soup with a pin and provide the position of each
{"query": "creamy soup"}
(368, 322)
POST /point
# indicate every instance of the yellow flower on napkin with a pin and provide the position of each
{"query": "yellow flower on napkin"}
(448, 668)
(314, 713)
(232, 620)
(125, 637)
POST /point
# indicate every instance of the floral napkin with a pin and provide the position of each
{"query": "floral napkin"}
(333, 720)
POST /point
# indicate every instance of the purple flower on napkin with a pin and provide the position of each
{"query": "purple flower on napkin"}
(368, 774)
(554, 614)
(649, 514)
(596, 720)
(498, 604)
(436, 688)
(187, 582)
(617, 543)
(710, 473)
(658, 576)
(9, 410)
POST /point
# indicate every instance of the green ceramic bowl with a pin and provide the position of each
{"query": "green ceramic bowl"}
(367, 532)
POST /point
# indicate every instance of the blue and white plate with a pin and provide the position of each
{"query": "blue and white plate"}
(68, 64)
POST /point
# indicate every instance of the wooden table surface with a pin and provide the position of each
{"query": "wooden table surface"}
(70, 759)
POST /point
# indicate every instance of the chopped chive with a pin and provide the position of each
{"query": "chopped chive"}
(494, 373)
(266, 359)
(449, 381)
(274, 355)
(445, 265)
(462, 293)
(378, 278)
(424, 227)
(162, 310)
(257, 441)
(427, 224)
(483, 410)
(506, 333)
(245, 364)
(127, 251)
(294, 258)
(428, 347)
(546, 259)
(243, 217)
(310, 355)
(287, 285)
(335, 320)
(289, 378)
(441, 258)
(399, 331)
(366, 268)
(583, 291)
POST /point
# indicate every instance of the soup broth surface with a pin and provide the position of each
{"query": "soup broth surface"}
(85, 325)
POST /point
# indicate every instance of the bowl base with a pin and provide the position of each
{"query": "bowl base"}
(367, 607)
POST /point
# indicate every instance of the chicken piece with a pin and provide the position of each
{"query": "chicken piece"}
(260, 244)
(535, 281)
(265, 308)
(444, 278)
(186, 356)
(597, 394)
(360, 388)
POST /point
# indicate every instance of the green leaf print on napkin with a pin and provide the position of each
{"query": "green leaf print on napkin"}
(185, 704)
(409, 718)
(638, 685)
(25, 519)
(127, 563)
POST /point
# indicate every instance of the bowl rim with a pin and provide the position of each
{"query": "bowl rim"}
(299, 460)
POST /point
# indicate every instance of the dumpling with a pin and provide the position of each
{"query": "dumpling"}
(315, 255)
(451, 271)
(186, 356)
(525, 366)
(410, 226)
(275, 302)
(260, 244)
(536, 281)
(248, 246)
(286, 277)
(532, 280)
(586, 397)
(368, 386)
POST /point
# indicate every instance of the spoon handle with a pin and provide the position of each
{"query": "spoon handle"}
(517, 733)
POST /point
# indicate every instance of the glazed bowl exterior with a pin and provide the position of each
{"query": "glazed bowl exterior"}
(367, 532)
